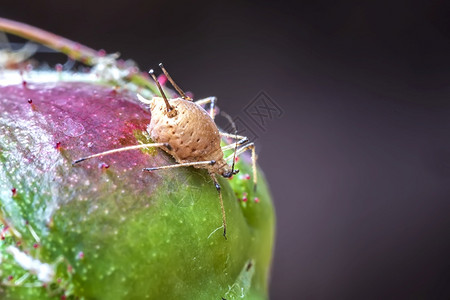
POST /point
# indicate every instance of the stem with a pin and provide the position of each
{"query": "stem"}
(72, 49)
(58, 43)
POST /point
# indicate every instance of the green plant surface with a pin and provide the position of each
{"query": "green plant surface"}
(107, 229)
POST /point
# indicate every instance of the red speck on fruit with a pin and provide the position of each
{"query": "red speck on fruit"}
(114, 91)
(256, 199)
(30, 100)
(244, 197)
(59, 67)
(101, 53)
(246, 176)
(24, 83)
(36, 246)
(10, 277)
(162, 79)
(58, 145)
(3, 232)
(14, 191)
(103, 166)
(236, 159)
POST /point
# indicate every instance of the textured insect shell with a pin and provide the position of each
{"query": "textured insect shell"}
(192, 134)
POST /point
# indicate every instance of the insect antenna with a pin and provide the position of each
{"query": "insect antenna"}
(179, 90)
(152, 73)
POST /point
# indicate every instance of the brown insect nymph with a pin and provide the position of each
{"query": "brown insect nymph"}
(186, 131)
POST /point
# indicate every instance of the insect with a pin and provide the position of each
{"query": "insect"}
(187, 132)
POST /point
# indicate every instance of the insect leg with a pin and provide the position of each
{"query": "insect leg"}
(211, 100)
(233, 136)
(233, 124)
(207, 162)
(242, 140)
(233, 145)
(121, 150)
(224, 219)
(240, 151)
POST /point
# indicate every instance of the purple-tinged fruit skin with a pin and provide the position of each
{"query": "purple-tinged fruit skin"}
(118, 232)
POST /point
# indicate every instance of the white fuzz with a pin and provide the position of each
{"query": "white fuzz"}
(143, 100)
(10, 57)
(43, 271)
(106, 68)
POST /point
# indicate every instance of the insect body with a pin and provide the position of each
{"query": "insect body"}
(192, 135)
(186, 131)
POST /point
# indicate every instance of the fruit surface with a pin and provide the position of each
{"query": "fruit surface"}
(109, 230)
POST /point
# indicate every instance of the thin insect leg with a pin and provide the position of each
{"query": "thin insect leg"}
(233, 136)
(242, 140)
(240, 151)
(197, 163)
(233, 145)
(228, 117)
(224, 219)
(121, 150)
(211, 100)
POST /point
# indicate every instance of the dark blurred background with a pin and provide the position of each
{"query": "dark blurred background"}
(358, 156)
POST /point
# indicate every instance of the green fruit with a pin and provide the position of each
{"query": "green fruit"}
(105, 228)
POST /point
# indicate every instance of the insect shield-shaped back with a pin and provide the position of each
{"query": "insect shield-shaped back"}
(191, 133)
